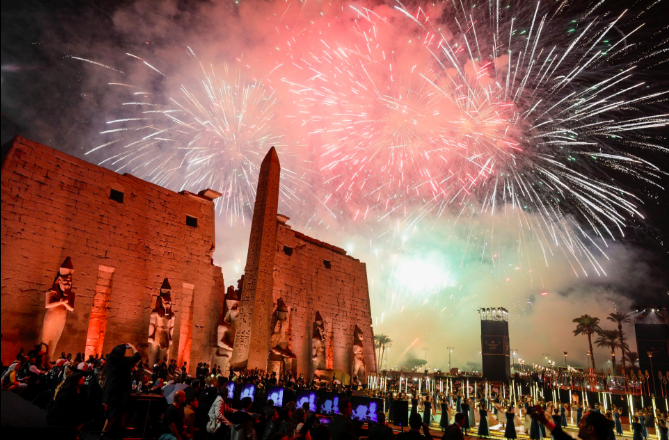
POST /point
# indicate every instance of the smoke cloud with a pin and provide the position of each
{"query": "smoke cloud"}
(428, 277)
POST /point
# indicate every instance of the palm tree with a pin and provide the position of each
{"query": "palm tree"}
(620, 319)
(587, 325)
(381, 342)
(609, 339)
(633, 357)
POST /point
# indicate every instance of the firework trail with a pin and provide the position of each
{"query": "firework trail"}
(511, 111)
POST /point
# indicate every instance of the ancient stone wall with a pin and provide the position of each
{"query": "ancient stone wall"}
(54, 206)
(339, 292)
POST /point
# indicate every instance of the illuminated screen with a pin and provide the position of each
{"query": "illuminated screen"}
(364, 409)
(329, 404)
(309, 397)
(231, 390)
(248, 390)
(275, 394)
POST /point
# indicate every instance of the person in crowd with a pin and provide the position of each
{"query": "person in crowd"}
(637, 429)
(189, 415)
(10, 380)
(612, 423)
(617, 413)
(557, 419)
(273, 424)
(242, 422)
(454, 431)
(662, 426)
(218, 424)
(445, 415)
(465, 411)
(69, 406)
(415, 425)
(118, 384)
(296, 422)
(593, 426)
(174, 424)
(510, 429)
(379, 430)
(342, 427)
(427, 410)
(483, 430)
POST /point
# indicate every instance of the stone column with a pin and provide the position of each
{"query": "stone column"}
(186, 327)
(97, 324)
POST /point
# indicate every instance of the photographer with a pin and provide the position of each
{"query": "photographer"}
(118, 384)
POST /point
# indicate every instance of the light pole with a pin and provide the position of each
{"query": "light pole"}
(565, 358)
(513, 358)
(450, 350)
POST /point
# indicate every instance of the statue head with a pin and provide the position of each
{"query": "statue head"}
(64, 278)
(164, 300)
(231, 304)
(358, 336)
(281, 310)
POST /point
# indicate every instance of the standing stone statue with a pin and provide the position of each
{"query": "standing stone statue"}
(161, 325)
(279, 341)
(358, 368)
(318, 343)
(226, 329)
(59, 300)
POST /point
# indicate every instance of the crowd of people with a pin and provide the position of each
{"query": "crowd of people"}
(96, 394)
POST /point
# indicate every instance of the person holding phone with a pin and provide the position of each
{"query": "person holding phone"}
(116, 394)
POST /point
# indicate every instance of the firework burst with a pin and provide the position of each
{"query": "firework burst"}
(488, 110)
(213, 133)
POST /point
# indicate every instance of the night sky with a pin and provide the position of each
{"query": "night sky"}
(55, 100)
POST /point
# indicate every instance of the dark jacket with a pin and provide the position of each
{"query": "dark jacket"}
(453, 432)
(342, 428)
(559, 434)
(413, 434)
(69, 408)
(380, 431)
(271, 428)
(119, 377)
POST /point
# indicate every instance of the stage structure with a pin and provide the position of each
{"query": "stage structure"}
(495, 343)
(651, 325)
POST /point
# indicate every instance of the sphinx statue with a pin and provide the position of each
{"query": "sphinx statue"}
(59, 301)
(226, 329)
(279, 341)
(318, 343)
(161, 325)
(358, 368)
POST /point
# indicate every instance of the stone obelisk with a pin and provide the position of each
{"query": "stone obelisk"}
(251, 348)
